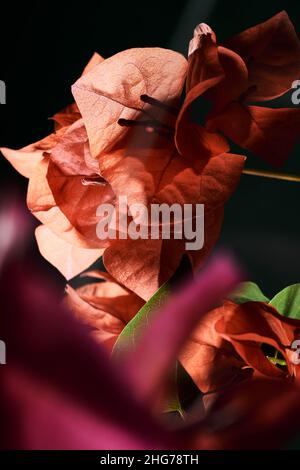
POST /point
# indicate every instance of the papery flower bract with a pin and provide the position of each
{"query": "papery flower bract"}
(226, 346)
(128, 104)
(132, 140)
(76, 184)
(209, 359)
(258, 64)
(69, 258)
(59, 241)
(250, 325)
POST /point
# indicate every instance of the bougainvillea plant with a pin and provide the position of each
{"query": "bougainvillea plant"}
(133, 132)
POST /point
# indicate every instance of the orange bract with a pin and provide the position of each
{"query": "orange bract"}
(259, 64)
(226, 346)
(128, 135)
(129, 108)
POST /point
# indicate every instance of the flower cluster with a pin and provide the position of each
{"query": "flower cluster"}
(134, 132)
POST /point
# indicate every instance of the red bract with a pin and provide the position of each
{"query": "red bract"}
(258, 64)
(249, 326)
(256, 415)
(211, 360)
(227, 345)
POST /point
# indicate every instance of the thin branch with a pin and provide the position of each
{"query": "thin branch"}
(272, 175)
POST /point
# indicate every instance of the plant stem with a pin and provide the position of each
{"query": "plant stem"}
(271, 174)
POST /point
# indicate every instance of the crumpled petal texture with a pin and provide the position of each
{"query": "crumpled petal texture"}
(226, 346)
(128, 134)
(258, 64)
(143, 164)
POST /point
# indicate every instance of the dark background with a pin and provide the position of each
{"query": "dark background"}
(44, 47)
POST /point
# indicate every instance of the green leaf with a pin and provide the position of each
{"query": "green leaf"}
(174, 405)
(248, 292)
(276, 361)
(132, 331)
(287, 301)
